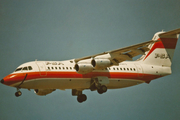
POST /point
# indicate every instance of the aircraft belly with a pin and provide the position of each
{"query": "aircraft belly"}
(77, 83)
(121, 83)
(57, 83)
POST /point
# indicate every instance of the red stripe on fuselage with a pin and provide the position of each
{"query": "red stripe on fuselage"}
(18, 77)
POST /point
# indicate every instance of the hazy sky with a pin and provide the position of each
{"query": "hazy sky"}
(67, 29)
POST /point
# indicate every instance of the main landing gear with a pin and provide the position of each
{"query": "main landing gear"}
(102, 89)
(97, 85)
(80, 97)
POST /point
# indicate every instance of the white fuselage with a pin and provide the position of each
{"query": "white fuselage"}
(62, 75)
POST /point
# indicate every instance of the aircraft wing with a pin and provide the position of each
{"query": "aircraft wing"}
(170, 33)
(122, 54)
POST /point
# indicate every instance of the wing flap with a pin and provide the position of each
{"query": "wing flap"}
(123, 54)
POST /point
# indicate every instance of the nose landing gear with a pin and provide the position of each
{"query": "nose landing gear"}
(18, 93)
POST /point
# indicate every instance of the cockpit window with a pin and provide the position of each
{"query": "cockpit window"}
(25, 68)
(30, 68)
(18, 69)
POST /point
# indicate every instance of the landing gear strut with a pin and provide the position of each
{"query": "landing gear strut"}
(19, 93)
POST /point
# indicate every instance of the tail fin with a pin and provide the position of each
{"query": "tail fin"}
(162, 50)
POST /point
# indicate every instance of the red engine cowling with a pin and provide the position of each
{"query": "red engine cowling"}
(100, 64)
(83, 68)
(43, 92)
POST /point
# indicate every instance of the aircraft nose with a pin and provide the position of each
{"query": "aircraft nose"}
(2, 81)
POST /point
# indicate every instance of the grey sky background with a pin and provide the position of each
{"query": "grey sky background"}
(67, 29)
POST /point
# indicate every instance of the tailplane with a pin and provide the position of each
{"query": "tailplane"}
(162, 50)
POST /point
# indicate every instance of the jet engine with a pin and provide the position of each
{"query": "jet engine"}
(100, 64)
(43, 92)
(83, 68)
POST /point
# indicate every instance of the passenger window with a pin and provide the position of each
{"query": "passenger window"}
(120, 68)
(114, 68)
(109, 68)
(134, 69)
(25, 68)
(63, 68)
(131, 69)
(117, 68)
(124, 68)
(59, 67)
(67, 68)
(71, 68)
(48, 68)
(127, 68)
(52, 67)
(56, 68)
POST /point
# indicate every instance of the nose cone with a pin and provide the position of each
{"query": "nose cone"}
(2, 81)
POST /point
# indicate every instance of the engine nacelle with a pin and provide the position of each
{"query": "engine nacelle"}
(42, 92)
(83, 68)
(100, 64)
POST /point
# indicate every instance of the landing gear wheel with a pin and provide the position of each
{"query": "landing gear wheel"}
(18, 93)
(81, 98)
(102, 89)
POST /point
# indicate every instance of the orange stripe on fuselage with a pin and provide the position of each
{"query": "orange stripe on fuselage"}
(18, 77)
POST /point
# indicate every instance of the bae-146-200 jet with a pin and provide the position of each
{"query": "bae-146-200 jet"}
(100, 72)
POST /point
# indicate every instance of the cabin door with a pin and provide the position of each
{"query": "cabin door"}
(42, 68)
(139, 70)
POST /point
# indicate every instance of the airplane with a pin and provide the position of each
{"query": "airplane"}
(108, 70)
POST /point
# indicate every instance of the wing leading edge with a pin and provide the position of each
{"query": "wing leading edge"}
(170, 33)
(127, 53)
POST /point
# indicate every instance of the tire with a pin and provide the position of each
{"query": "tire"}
(100, 91)
(18, 93)
(81, 98)
(103, 88)
(84, 97)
